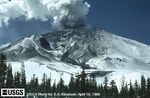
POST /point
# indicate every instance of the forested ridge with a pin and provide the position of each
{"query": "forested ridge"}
(78, 84)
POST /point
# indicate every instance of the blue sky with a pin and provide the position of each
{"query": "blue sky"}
(127, 18)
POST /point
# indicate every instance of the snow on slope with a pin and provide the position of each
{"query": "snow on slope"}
(65, 51)
(37, 69)
(4, 45)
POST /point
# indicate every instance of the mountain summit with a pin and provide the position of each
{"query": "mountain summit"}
(100, 52)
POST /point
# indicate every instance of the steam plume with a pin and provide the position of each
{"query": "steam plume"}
(64, 13)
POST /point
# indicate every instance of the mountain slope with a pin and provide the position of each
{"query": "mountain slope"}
(97, 50)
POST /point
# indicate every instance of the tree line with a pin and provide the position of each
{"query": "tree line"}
(78, 84)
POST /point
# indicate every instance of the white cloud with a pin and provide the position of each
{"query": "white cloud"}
(65, 13)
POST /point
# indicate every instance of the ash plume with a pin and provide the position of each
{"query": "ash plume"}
(64, 13)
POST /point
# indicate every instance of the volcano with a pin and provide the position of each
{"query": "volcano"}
(65, 52)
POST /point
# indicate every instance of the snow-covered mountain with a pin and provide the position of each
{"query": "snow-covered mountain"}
(102, 53)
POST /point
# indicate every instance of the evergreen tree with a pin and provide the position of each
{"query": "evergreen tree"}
(143, 87)
(136, 88)
(43, 84)
(72, 86)
(17, 78)
(148, 88)
(101, 90)
(124, 91)
(83, 78)
(60, 86)
(94, 84)
(31, 84)
(54, 89)
(78, 85)
(88, 85)
(23, 76)
(9, 79)
(3, 70)
(91, 85)
(106, 87)
(28, 87)
(113, 89)
(34, 84)
(48, 84)
(2, 58)
(131, 91)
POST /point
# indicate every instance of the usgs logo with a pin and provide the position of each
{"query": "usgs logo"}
(12, 92)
